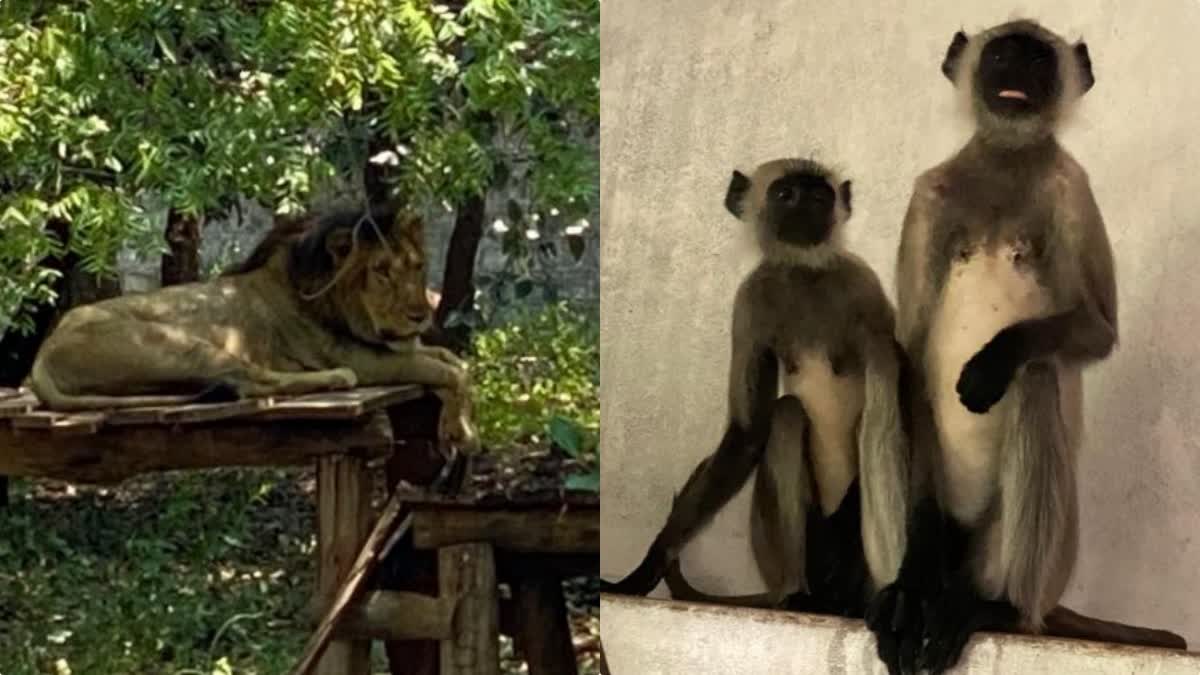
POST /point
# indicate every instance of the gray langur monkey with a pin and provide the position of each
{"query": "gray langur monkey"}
(1005, 291)
(833, 444)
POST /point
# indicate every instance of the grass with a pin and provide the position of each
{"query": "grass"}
(168, 574)
(208, 572)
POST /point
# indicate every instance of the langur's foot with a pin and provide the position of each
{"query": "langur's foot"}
(896, 616)
(958, 614)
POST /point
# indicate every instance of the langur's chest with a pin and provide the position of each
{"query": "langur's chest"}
(983, 293)
(816, 336)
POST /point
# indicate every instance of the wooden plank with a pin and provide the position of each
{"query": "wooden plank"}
(468, 571)
(59, 423)
(343, 524)
(484, 500)
(525, 531)
(192, 413)
(339, 405)
(9, 392)
(542, 632)
(398, 615)
(387, 530)
(116, 453)
(18, 405)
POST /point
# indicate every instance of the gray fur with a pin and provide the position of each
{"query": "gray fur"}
(1039, 510)
(801, 301)
(1013, 185)
(883, 467)
(782, 495)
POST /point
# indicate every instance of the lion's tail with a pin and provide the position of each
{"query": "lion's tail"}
(42, 384)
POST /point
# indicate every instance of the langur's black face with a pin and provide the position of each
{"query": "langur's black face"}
(799, 207)
(1018, 75)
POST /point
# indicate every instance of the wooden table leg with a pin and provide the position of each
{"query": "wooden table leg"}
(469, 571)
(543, 632)
(415, 657)
(417, 462)
(343, 523)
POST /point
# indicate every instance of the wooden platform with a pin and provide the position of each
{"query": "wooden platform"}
(106, 447)
(339, 432)
(475, 542)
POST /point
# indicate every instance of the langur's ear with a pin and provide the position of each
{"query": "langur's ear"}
(953, 55)
(844, 191)
(735, 196)
(1083, 61)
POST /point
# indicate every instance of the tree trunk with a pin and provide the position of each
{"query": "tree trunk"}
(458, 280)
(377, 177)
(182, 264)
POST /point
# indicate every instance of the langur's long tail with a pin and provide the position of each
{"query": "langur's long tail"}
(1039, 506)
(883, 463)
(681, 589)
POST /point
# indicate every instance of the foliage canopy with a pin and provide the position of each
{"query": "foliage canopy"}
(107, 106)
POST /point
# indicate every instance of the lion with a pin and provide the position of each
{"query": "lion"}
(321, 304)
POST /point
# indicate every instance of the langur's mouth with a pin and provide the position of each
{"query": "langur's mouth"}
(1016, 94)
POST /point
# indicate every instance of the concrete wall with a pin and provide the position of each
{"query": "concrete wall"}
(694, 88)
(704, 640)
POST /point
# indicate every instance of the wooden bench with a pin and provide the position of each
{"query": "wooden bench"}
(476, 545)
(530, 547)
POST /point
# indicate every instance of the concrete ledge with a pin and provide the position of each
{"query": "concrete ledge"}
(644, 636)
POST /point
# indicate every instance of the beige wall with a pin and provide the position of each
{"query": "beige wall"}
(694, 88)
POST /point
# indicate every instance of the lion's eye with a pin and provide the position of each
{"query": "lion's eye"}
(382, 268)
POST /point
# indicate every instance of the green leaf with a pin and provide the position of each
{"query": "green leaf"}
(584, 482)
(167, 50)
(566, 435)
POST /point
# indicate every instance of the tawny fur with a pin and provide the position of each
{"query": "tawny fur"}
(312, 309)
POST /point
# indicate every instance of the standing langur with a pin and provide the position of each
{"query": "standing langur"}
(1005, 290)
(818, 313)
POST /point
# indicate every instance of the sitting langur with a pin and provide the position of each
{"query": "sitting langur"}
(818, 313)
(321, 305)
(1005, 292)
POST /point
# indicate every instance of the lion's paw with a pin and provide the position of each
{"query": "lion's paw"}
(458, 430)
(448, 357)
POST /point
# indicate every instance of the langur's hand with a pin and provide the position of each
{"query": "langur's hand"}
(985, 378)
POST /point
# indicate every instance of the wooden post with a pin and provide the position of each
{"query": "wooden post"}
(543, 633)
(343, 522)
(469, 572)
(418, 463)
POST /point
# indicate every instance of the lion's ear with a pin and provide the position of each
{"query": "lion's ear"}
(339, 243)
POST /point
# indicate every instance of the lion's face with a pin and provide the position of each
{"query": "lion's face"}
(383, 295)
